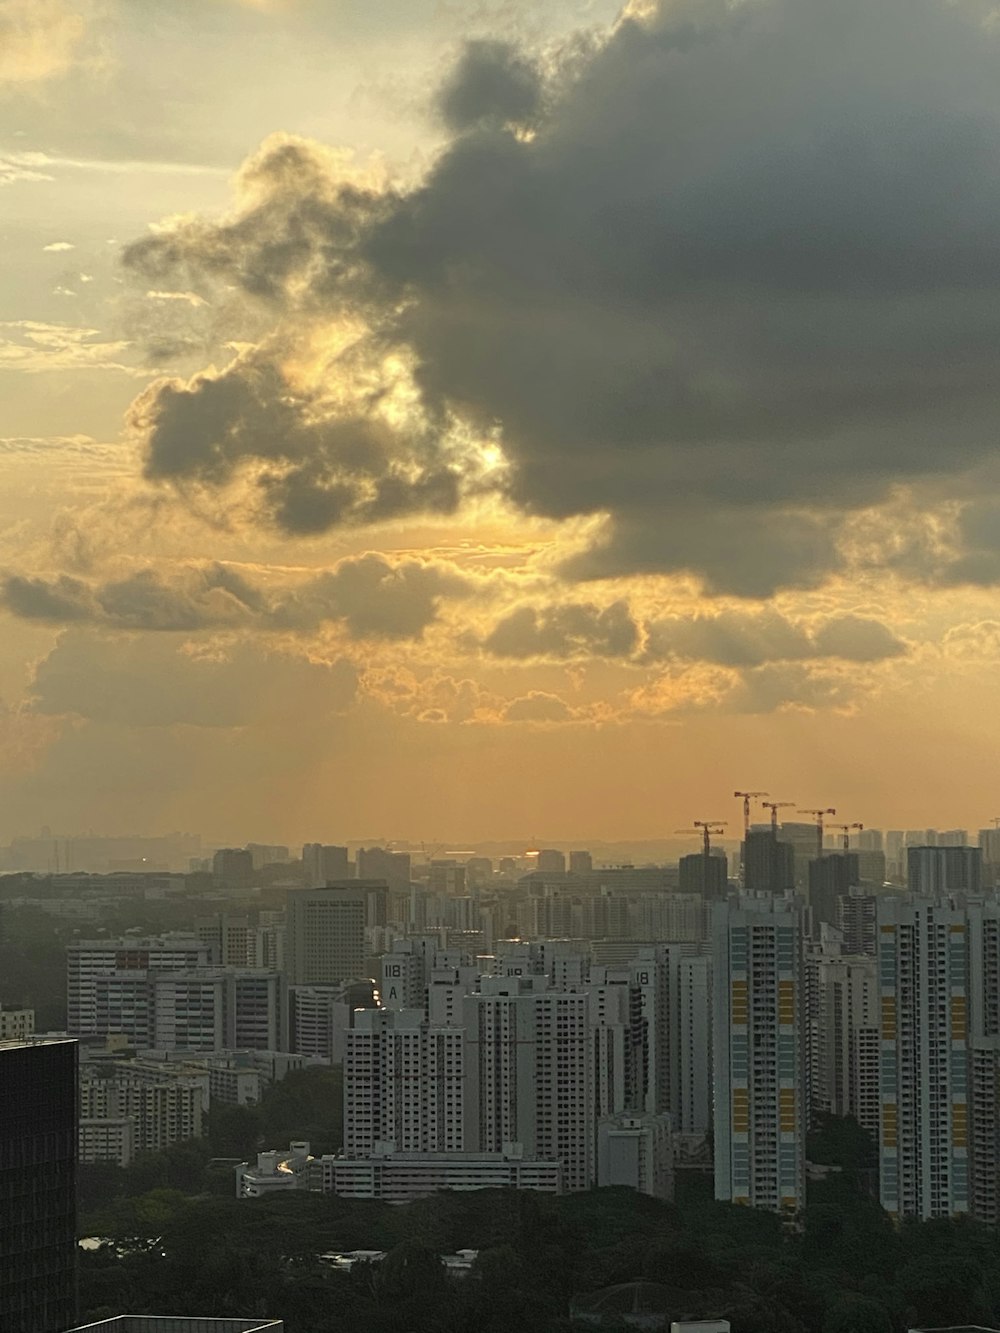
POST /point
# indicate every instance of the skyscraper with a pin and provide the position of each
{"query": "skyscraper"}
(530, 1067)
(845, 1075)
(403, 1084)
(830, 878)
(551, 861)
(108, 982)
(923, 972)
(768, 863)
(377, 863)
(989, 846)
(758, 1054)
(38, 1146)
(936, 870)
(325, 942)
(324, 865)
(216, 1008)
(704, 875)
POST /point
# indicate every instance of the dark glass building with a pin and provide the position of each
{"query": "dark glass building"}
(38, 1131)
(707, 876)
(831, 877)
(768, 863)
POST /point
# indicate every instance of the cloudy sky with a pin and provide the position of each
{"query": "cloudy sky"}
(478, 418)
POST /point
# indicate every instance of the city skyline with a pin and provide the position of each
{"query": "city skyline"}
(446, 419)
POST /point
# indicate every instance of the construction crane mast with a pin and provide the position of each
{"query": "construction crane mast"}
(747, 797)
(846, 830)
(774, 807)
(707, 828)
(820, 815)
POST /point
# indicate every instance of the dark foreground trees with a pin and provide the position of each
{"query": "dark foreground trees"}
(848, 1270)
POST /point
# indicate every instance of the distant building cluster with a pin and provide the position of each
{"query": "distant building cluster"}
(531, 1023)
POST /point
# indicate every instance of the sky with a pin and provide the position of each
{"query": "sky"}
(469, 419)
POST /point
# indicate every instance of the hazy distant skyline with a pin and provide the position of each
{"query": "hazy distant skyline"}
(450, 418)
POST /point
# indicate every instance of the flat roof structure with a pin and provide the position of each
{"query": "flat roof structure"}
(152, 1323)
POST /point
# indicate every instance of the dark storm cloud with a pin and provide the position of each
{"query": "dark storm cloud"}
(569, 630)
(367, 595)
(57, 601)
(314, 471)
(741, 280)
(492, 81)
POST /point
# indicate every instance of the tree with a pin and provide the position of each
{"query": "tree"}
(857, 1314)
(234, 1131)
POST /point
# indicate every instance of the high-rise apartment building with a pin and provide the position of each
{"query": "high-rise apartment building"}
(321, 1016)
(939, 977)
(218, 1008)
(107, 988)
(403, 1085)
(856, 913)
(447, 878)
(768, 863)
(704, 875)
(16, 1024)
(325, 939)
(551, 861)
(233, 867)
(529, 1067)
(406, 969)
(392, 868)
(580, 863)
(869, 840)
(758, 1054)
(804, 841)
(844, 1079)
(923, 969)
(830, 877)
(932, 871)
(324, 865)
(989, 847)
(38, 1154)
(923, 982)
(167, 1102)
(236, 941)
(690, 1006)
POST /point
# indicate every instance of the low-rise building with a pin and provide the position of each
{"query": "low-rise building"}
(398, 1177)
(275, 1171)
(151, 1323)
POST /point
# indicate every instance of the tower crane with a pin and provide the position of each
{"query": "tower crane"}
(747, 797)
(846, 830)
(707, 828)
(820, 815)
(774, 807)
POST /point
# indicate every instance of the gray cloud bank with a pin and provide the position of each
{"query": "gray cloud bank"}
(739, 280)
(739, 639)
(367, 595)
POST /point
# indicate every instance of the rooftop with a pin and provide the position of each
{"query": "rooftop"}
(149, 1323)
